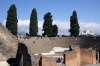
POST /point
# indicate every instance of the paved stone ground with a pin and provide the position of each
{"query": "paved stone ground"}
(60, 64)
(4, 63)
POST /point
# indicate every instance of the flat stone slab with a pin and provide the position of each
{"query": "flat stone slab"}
(4, 63)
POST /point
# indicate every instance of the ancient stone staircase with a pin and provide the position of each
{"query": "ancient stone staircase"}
(46, 44)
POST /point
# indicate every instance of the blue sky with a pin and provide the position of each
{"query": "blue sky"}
(88, 11)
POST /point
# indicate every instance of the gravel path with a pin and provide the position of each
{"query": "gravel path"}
(60, 64)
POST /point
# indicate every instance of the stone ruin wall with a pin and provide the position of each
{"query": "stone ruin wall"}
(48, 61)
(41, 60)
(8, 43)
(88, 56)
(71, 58)
(80, 57)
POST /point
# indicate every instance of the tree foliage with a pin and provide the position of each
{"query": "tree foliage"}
(47, 25)
(49, 29)
(11, 21)
(33, 29)
(74, 26)
(55, 30)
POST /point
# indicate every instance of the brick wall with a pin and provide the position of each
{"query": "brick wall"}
(80, 57)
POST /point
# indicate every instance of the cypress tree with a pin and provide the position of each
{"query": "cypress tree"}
(11, 21)
(47, 25)
(74, 26)
(55, 30)
(33, 29)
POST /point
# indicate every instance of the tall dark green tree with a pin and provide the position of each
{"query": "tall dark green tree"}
(74, 26)
(47, 25)
(55, 30)
(33, 29)
(11, 21)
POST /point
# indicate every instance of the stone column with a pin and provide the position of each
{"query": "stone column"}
(21, 61)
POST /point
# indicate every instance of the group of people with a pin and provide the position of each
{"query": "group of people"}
(59, 60)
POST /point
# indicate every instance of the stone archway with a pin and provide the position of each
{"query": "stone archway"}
(23, 58)
(12, 62)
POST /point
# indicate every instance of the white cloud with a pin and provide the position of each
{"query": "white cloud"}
(63, 26)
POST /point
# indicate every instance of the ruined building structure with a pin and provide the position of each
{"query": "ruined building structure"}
(80, 57)
(45, 51)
